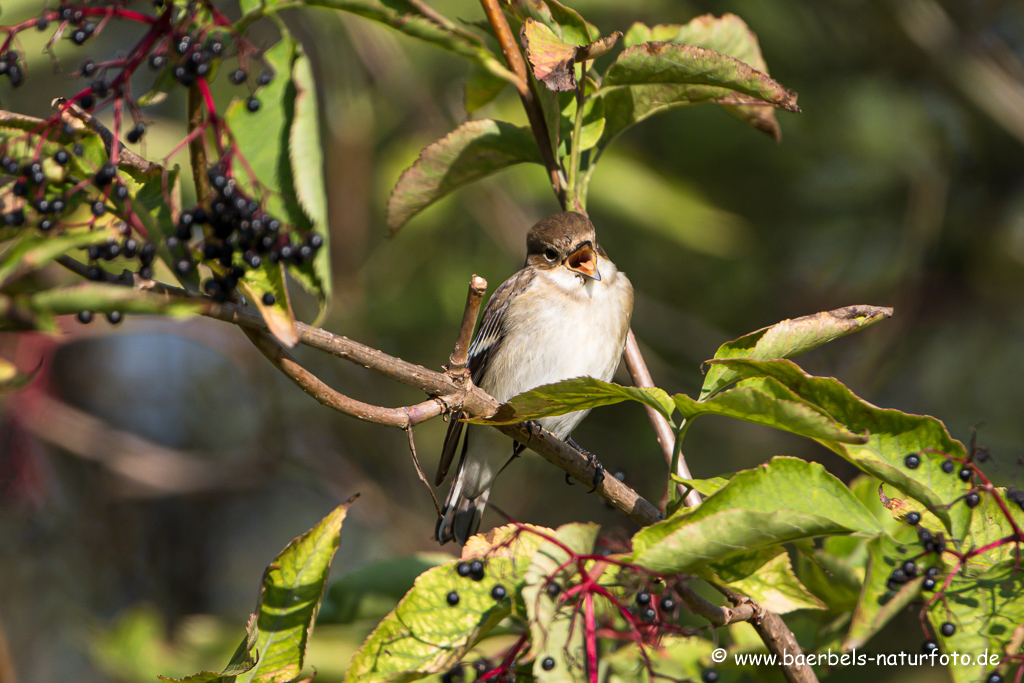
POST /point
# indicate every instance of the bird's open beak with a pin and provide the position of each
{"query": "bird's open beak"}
(584, 261)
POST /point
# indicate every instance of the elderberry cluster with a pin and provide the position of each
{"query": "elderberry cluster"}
(9, 67)
(240, 235)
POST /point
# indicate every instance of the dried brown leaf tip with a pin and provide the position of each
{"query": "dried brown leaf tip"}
(553, 60)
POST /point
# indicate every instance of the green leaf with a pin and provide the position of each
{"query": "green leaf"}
(591, 128)
(156, 217)
(401, 15)
(989, 525)
(481, 88)
(425, 634)
(775, 587)
(771, 404)
(679, 658)
(269, 279)
(556, 627)
(307, 165)
(891, 435)
(877, 604)
(566, 23)
(293, 586)
(786, 499)
(791, 338)
(987, 610)
(580, 393)
(388, 579)
(472, 151)
(553, 62)
(32, 251)
(105, 298)
(653, 77)
(831, 578)
(728, 35)
(705, 487)
(265, 139)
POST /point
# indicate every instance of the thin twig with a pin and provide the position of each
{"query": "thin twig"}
(460, 356)
(419, 470)
(72, 113)
(662, 429)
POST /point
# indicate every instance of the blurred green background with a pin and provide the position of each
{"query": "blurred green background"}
(143, 493)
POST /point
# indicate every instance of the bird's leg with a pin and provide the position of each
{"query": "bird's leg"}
(594, 462)
(532, 426)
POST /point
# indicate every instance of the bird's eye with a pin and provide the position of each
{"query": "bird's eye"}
(550, 254)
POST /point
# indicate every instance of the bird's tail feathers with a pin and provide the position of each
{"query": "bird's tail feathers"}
(460, 517)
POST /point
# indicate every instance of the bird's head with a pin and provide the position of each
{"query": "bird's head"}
(565, 240)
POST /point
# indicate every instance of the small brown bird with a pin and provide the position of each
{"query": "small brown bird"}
(565, 314)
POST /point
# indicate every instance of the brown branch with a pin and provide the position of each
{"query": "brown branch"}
(78, 117)
(718, 616)
(474, 401)
(403, 418)
(662, 429)
(776, 636)
(524, 86)
(460, 356)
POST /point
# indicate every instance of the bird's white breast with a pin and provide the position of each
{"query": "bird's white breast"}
(578, 329)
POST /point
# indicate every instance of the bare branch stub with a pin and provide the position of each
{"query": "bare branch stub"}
(459, 359)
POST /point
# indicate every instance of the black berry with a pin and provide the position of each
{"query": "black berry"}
(98, 208)
(912, 461)
(948, 466)
(105, 175)
(947, 629)
(898, 576)
(709, 676)
(972, 499)
(84, 317)
(462, 568)
(965, 474)
(157, 61)
(88, 68)
(994, 677)
(476, 570)
(42, 23)
(269, 300)
(928, 584)
(548, 663)
(929, 645)
(931, 572)
(114, 317)
(265, 77)
(643, 598)
(237, 77)
(252, 104)
(46, 225)
(666, 603)
(552, 589)
(62, 157)
(647, 615)
(453, 598)
(913, 518)
(499, 592)
(910, 569)
(183, 266)
(135, 134)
